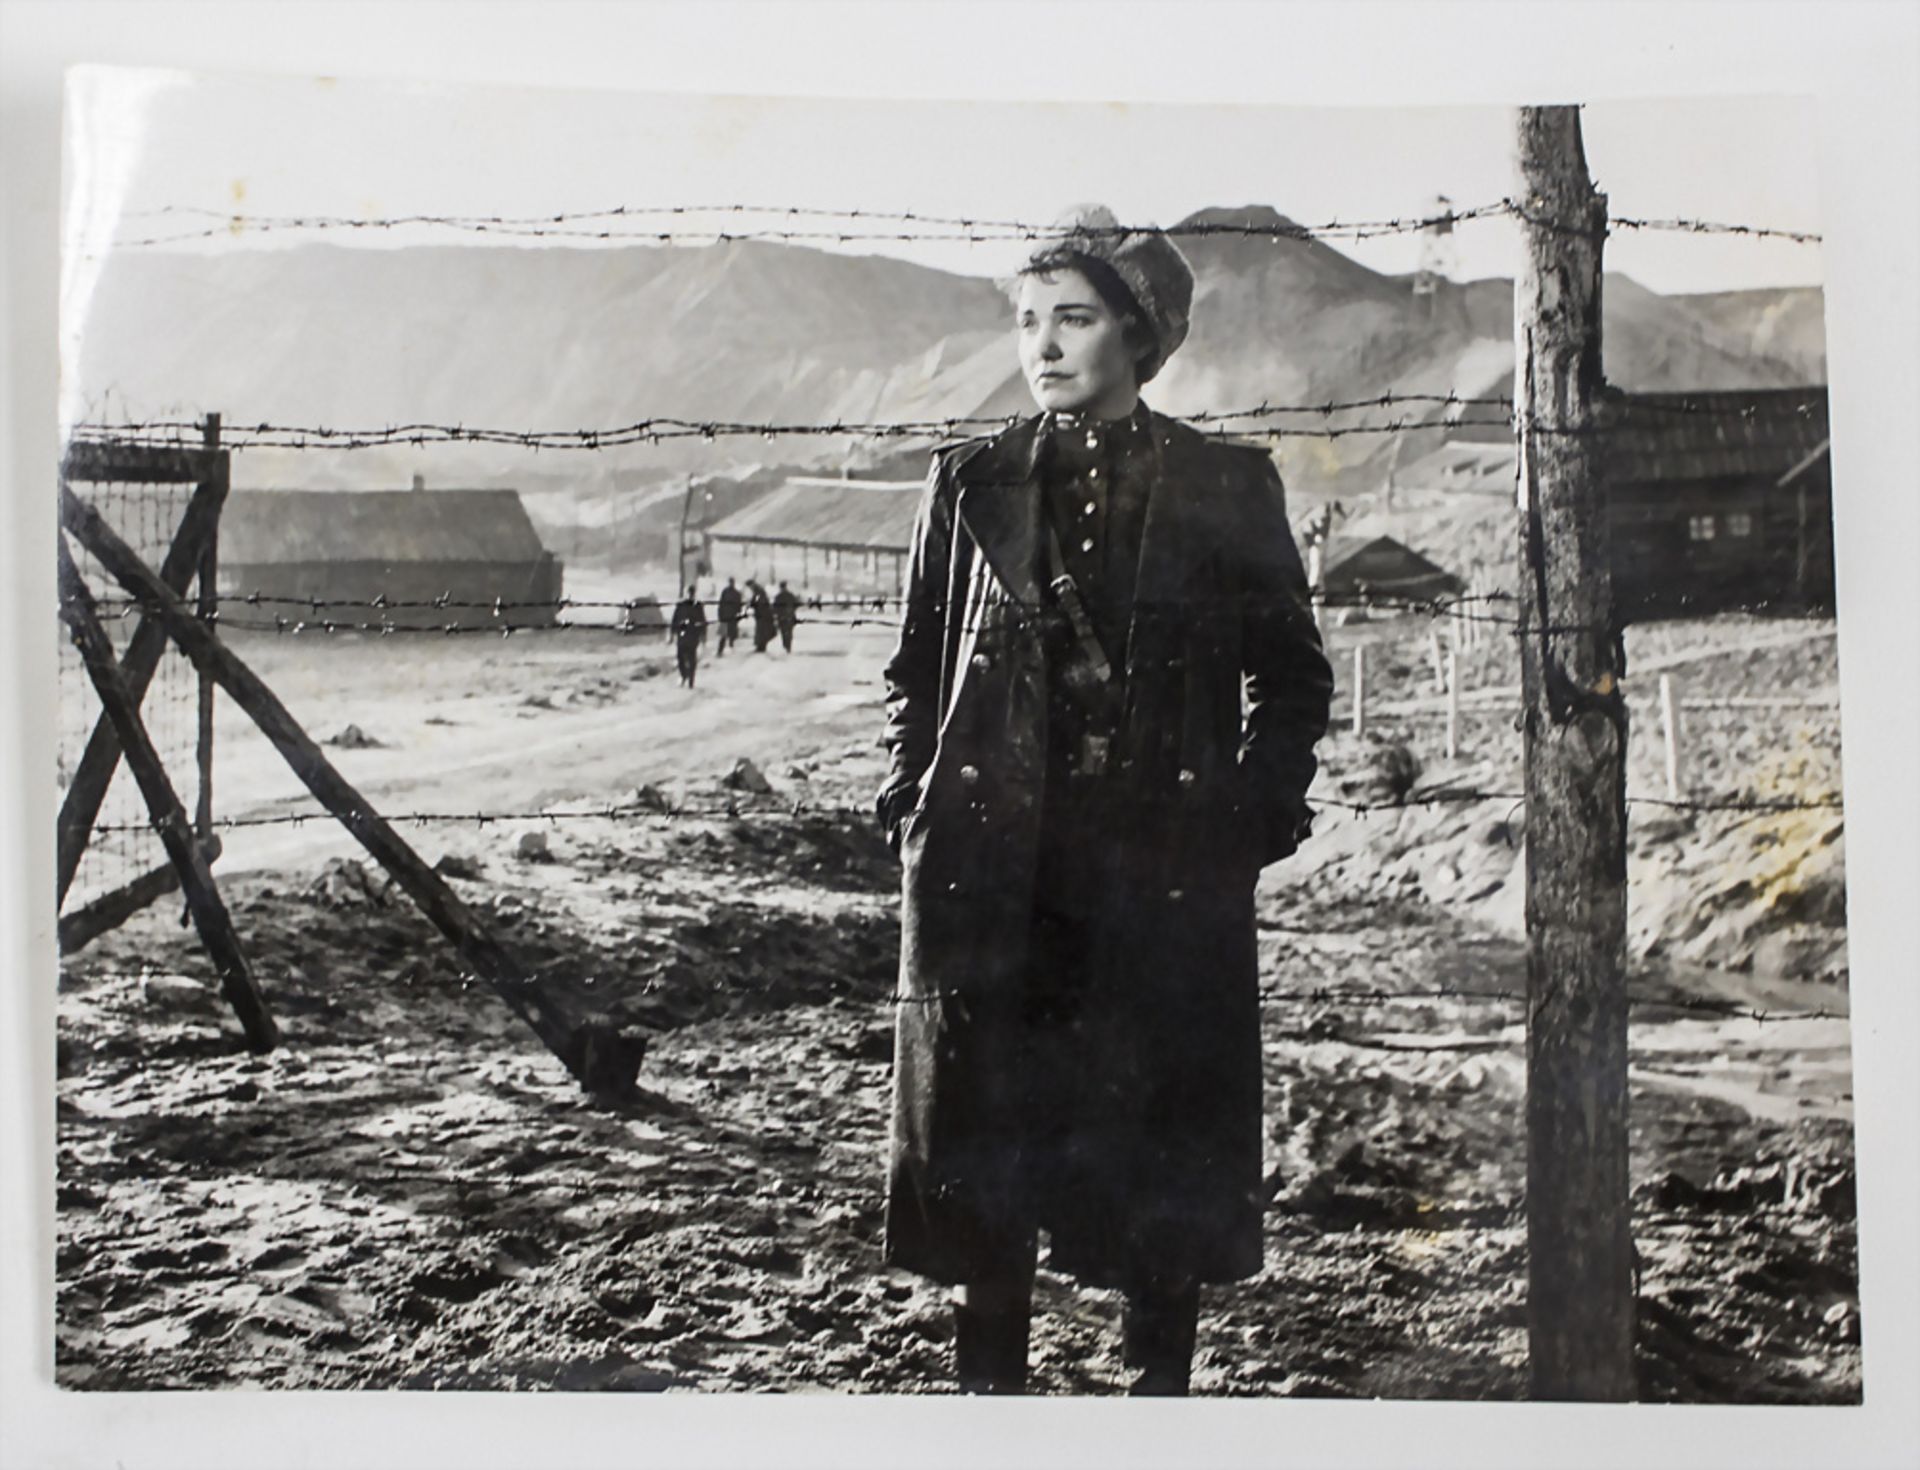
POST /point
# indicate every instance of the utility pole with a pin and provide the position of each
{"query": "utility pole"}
(1580, 1298)
(686, 514)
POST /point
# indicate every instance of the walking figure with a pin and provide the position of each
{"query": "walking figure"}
(729, 611)
(1081, 806)
(786, 614)
(689, 628)
(762, 611)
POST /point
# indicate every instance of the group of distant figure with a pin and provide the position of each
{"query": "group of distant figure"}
(774, 616)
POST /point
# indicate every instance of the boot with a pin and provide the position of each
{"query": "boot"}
(1157, 1337)
(990, 1350)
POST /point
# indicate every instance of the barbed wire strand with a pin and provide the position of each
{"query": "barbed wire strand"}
(624, 222)
(179, 434)
(648, 617)
(295, 627)
(186, 434)
(665, 810)
(947, 424)
(929, 228)
(646, 982)
(876, 601)
(652, 610)
(651, 432)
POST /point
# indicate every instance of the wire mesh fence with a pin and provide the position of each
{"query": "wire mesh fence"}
(125, 843)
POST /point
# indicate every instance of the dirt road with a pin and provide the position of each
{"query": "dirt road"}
(410, 1192)
(524, 726)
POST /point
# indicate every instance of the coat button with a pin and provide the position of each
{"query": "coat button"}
(970, 775)
(981, 661)
(1187, 778)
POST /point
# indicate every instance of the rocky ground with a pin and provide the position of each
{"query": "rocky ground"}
(410, 1191)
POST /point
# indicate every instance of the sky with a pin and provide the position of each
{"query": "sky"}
(145, 140)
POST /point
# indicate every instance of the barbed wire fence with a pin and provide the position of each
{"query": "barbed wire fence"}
(656, 808)
(881, 615)
(263, 611)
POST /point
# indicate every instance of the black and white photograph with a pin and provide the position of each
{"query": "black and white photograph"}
(715, 743)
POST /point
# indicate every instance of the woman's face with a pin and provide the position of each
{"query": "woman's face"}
(1073, 349)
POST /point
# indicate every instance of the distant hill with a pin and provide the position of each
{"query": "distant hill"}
(533, 338)
(1787, 324)
(756, 331)
(1287, 320)
(1663, 344)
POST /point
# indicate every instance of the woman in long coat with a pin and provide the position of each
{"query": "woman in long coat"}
(1082, 800)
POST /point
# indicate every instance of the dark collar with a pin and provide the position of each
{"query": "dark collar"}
(1070, 444)
(1014, 456)
(1138, 423)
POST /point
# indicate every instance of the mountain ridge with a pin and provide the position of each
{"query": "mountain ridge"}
(751, 331)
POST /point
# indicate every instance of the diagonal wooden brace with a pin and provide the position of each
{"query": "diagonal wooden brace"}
(83, 925)
(102, 755)
(210, 915)
(603, 1059)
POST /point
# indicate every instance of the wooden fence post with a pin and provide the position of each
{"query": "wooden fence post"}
(1439, 664)
(604, 1060)
(1453, 704)
(1359, 688)
(1580, 1299)
(209, 577)
(1670, 734)
(210, 915)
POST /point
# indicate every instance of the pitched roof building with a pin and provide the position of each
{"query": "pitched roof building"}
(380, 549)
(1380, 566)
(1717, 501)
(827, 536)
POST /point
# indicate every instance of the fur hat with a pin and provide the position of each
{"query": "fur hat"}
(1147, 264)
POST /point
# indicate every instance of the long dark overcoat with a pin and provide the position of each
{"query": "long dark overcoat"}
(1171, 1116)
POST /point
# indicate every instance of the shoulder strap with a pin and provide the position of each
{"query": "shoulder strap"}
(1086, 639)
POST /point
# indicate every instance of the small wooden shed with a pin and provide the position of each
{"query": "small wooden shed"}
(1353, 567)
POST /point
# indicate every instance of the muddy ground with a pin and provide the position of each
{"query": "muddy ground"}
(410, 1192)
